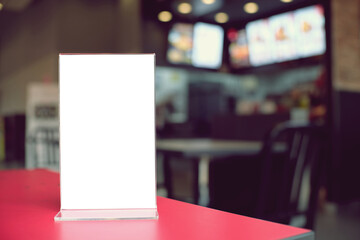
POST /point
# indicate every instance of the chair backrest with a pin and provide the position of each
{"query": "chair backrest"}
(291, 179)
(45, 148)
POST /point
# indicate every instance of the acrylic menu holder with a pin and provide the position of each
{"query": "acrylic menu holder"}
(107, 137)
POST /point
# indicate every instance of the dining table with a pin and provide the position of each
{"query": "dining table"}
(30, 199)
(202, 151)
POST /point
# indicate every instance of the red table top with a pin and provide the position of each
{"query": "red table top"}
(29, 200)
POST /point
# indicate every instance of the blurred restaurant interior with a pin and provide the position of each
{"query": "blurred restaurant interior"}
(250, 96)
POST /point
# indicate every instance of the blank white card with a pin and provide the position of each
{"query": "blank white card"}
(107, 131)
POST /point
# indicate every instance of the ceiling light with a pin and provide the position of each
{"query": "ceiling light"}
(251, 7)
(184, 8)
(286, 1)
(165, 16)
(221, 17)
(208, 2)
(1, 6)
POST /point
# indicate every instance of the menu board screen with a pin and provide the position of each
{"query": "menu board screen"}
(260, 42)
(238, 49)
(283, 37)
(208, 45)
(199, 45)
(287, 36)
(180, 44)
(310, 31)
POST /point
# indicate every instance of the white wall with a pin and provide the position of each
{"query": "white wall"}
(13, 86)
(31, 40)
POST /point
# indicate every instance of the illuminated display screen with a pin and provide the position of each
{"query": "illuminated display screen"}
(199, 45)
(208, 45)
(180, 44)
(283, 44)
(310, 31)
(279, 38)
(288, 36)
(238, 49)
(260, 42)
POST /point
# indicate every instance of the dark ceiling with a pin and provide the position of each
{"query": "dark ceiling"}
(234, 8)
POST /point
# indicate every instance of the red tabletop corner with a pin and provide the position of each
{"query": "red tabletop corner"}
(29, 200)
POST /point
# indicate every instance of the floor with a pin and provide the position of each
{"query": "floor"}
(339, 222)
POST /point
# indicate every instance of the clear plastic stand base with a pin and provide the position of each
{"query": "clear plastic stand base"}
(106, 214)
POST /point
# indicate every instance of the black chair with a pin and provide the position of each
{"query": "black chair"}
(285, 175)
